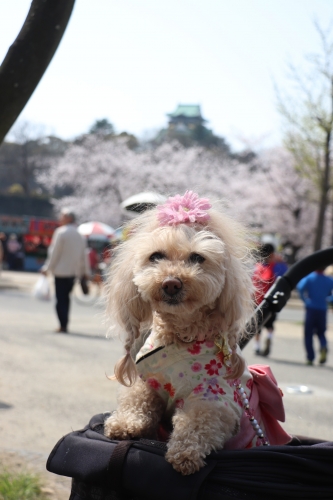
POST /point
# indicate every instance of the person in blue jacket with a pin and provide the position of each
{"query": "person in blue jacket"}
(316, 291)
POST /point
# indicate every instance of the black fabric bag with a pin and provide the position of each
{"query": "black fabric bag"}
(84, 285)
(104, 469)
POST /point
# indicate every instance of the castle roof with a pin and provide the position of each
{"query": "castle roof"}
(187, 110)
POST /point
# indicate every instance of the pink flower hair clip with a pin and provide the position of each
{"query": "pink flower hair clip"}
(182, 209)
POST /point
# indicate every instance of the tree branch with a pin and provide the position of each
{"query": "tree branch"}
(29, 56)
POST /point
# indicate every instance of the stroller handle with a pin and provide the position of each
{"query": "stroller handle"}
(279, 293)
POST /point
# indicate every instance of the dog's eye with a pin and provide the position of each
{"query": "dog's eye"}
(196, 258)
(156, 256)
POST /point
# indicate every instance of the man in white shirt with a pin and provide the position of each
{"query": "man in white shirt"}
(66, 260)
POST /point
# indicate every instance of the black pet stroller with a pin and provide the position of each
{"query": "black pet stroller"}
(104, 469)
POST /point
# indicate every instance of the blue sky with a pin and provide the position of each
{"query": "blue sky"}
(133, 61)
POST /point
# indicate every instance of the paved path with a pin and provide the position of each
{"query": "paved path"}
(53, 383)
(50, 383)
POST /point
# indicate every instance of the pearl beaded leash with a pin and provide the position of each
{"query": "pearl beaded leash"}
(249, 413)
(224, 348)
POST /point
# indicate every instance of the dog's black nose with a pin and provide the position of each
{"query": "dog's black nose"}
(172, 286)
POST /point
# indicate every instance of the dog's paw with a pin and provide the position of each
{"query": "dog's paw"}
(116, 429)
(121, 427)
(184, 462)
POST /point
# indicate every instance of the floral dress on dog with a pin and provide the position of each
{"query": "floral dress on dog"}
(196, 372)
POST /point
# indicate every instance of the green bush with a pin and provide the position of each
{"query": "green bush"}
(21, 486)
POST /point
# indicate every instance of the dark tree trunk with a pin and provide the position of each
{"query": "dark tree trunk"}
(29, 56)
(25, 170)
(325, 187)
(331, 224)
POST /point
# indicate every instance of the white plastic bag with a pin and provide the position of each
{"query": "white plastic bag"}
(41, 290)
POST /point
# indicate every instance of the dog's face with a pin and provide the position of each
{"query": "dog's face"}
(188, 279)
(180, 269)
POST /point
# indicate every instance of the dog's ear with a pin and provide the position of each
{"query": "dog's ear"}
(126, 309)
(235, 303)
(126, 306)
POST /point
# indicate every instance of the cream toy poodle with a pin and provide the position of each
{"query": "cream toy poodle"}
(181, 287)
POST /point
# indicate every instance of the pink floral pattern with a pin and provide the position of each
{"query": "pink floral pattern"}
(170, 389)
(237, 399)
(213, 367)
(215, 389)
(199, 388)
(153, 383)
(232, 383)
(196, 367)
(188, 208)
(182, 373)
(195, 348)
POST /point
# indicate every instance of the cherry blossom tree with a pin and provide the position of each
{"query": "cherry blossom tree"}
(296, 212)
(100, 173)
(278, 201)
(96, 173)
(267, 193)
(307, 111)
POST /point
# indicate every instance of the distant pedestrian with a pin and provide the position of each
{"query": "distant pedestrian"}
(93, 260)
(14, 253)
(2, 249)
(66, 260)
(269, 267)
(315, 290)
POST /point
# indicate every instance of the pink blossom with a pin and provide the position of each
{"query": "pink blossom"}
(196, 367)
(153, 383)
(181, 209)
(238, 399)
(109, 171)
(199, 388)
(233, 382)
(170, 389)
(216, 389)
(213, 367)
(195, 348)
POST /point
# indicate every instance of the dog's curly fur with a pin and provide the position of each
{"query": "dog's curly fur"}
(216, 297)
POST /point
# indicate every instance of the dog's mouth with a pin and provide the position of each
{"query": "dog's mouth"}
(175, 300)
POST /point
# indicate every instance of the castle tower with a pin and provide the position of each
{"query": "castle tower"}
(186, 117)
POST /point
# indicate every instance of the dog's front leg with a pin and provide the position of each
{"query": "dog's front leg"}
(199, 428)
(138, 414)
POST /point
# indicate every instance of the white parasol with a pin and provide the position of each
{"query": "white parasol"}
(96, 230)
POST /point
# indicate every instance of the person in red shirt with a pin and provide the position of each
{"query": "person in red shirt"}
(265, 273)
(93, 260)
